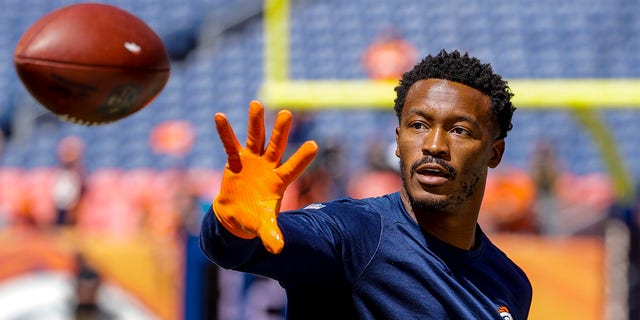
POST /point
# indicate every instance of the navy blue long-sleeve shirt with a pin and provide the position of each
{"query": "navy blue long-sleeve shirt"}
(368, 259)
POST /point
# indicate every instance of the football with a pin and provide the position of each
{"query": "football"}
(92, 63)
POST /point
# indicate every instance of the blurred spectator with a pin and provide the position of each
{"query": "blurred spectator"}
(325, 178)
(173, 137)
(545, 173)
(566, 203)
(25, 216)
(2, 142)
(508, 202)
(88, 283)
(7, 113)
(181, 41)
(584, 203)
(302, 128)
(314, 185)
(381, 176)
(389, 56)
(70, 181)
(201, 292)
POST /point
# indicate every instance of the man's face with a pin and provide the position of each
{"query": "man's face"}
(446, 142)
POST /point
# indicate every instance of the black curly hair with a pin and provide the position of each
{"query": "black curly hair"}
(466, 70)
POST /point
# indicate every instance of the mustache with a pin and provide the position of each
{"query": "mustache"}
(430, 159)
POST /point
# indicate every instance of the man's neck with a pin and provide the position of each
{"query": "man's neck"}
(455, 228)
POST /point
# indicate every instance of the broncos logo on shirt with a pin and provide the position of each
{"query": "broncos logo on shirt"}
(504, 313)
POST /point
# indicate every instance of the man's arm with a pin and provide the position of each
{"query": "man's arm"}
(311, 254)
(222, 247)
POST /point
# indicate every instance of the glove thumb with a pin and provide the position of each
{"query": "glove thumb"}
(271, 235)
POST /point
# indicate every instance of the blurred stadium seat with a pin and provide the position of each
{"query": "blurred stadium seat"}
(545, 40)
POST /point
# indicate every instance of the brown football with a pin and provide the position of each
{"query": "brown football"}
(92, 63)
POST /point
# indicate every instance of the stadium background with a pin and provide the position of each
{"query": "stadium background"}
(581, 255)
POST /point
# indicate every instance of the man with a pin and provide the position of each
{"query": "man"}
(415, 254)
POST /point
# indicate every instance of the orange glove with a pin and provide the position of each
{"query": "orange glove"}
(254, 180)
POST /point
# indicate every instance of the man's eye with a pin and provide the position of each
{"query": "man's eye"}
(461, 131)
(417, 125)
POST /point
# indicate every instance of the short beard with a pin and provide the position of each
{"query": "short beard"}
(443, 205)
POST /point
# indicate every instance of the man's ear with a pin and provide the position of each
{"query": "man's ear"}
(497, 150)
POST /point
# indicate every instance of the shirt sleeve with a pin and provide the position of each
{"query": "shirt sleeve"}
(325, 243)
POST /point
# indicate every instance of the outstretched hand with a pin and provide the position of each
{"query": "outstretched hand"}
(254, 179)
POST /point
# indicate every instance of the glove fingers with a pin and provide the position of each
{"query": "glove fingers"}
(256, 131)
(279, 137)
(229, 141)
(293, 167)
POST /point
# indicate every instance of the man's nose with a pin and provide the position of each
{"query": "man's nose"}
(436, 143)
